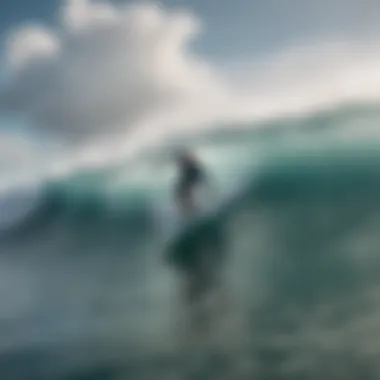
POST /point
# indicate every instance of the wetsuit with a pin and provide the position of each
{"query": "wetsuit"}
(191, 176)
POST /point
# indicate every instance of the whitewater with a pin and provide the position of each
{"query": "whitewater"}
(86, 292)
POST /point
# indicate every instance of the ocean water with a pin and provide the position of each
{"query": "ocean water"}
(86, 292)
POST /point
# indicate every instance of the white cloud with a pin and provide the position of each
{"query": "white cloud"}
(113, 67)
(31, 44)
(82, 15)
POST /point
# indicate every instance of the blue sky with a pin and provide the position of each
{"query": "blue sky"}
(241, 27)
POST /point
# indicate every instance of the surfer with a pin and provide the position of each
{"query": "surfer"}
(198, 250)
(191, 176)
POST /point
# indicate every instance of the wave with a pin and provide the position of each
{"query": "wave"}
(299, 222)
(98, 197)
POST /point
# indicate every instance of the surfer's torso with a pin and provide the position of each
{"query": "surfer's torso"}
(190, 177)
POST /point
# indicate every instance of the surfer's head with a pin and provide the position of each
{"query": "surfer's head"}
(184, 156)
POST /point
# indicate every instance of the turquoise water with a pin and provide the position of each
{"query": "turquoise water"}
(86, 292)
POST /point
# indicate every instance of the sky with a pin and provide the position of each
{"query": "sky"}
(239, 27)
(87, 75)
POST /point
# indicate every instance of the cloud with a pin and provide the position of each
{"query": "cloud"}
(104, 68)
(31, 44)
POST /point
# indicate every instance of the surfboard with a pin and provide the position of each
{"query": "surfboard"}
(200, 235)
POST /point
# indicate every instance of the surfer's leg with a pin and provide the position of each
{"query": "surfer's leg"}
(200, 287)
(200, 323)
(193, 300)
(214, 294)
(191, 334)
